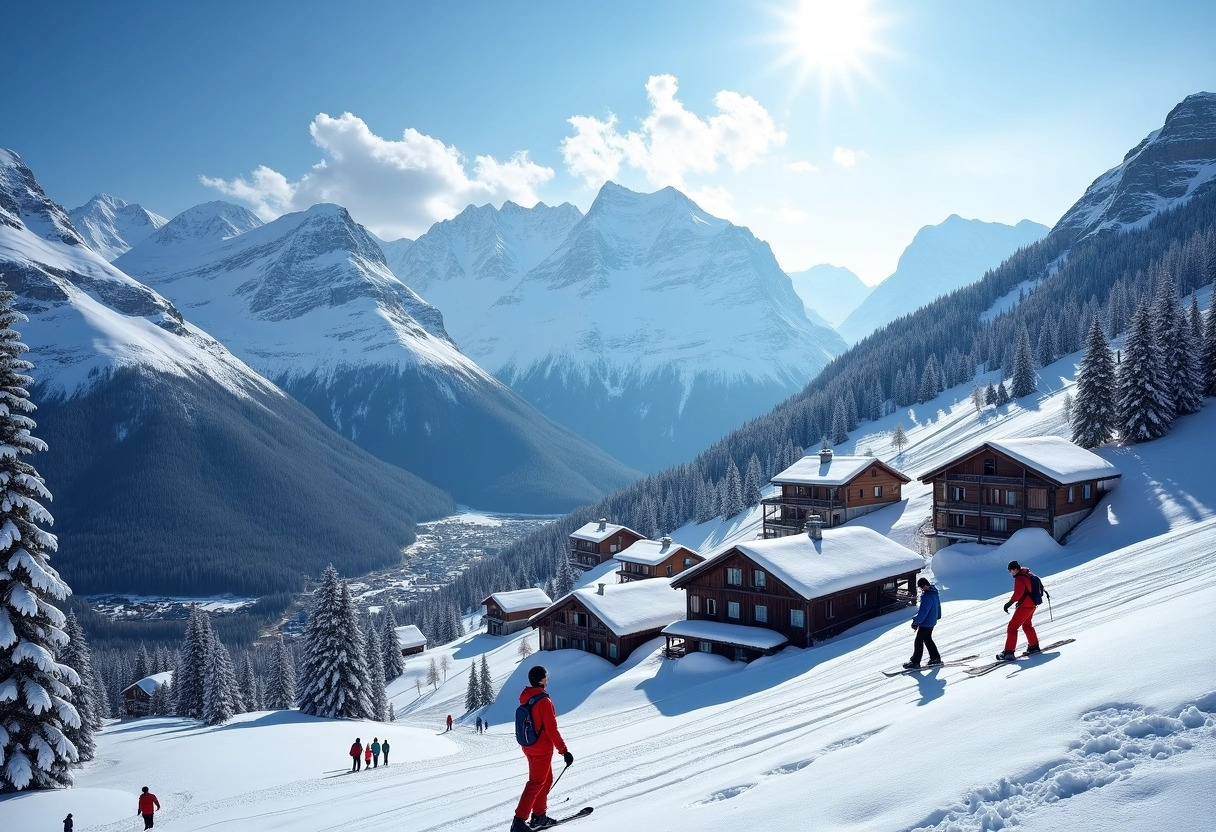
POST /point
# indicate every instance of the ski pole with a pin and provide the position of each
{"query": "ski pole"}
(559, 777)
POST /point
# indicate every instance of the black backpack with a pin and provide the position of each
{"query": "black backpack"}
(1037, 592)
(525, 731)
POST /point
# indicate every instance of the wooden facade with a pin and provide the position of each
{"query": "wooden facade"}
(137, 698)
(868, 485)
(596, 543)
(411, 639)
(986, 495)
(655, 559)
(509, 612)
(583, 620)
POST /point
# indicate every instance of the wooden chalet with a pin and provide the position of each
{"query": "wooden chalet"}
(609, 620)
(137, 698)
(411, 639)
(508, 612)
(755, 598)
(597, 542)
(836, 488)
(989, 492)
(655, 559)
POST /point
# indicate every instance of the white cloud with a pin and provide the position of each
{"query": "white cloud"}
(673, 141)
(803, 167)
(785, 212)
(846, 158)
(396, 188)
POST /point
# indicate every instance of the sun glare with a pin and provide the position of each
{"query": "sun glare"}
(831, 40)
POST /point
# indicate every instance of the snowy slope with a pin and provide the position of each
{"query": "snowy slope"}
(652, 328)
(112, 226)
(940, 259)
(152, 424)
(1170, 166)
(829, 291)
(1075, 740)
(309, 301)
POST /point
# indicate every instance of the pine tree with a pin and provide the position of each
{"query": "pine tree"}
(1045, 351)
(472, 694)
(333, 674)
(35, 690)
(394, 666)
(899, 439)
(566, 578)
(1143, 412)
(977, 398)
(75, 654)
(250, 695)
(525, 648)
(1180, 367)
(1208, 363)
(188, 679)
(1093, 411)
(281, 686)
(375, 675)
(732, 491)
(1023, 382)
(840, 433)
(432, 674)
(752, 483)
(930, 381)
(143, 663)
(1002, 395)
(101, 698)
(445, 665)
(487, 684)
(219, 686)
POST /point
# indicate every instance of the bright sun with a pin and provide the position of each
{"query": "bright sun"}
(831, 39)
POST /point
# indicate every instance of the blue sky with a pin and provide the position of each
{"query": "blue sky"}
(833, 130)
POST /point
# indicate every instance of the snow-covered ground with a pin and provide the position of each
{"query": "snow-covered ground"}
(1116, 731)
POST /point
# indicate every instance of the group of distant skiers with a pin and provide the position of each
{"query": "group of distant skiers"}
(930, 610)
(368, 757)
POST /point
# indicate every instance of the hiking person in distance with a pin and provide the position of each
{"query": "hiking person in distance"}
(67, 823)
(926, 619)
(375, 752)
(356, 753)
(1024, 606)
(148, 804)
(449, 723)
(384, 748)
(535, 797)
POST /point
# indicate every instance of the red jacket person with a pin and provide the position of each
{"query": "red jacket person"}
(535, 798)
(1022, 615)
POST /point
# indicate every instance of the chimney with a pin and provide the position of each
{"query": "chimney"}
(666, 541)
(603, 523)
(825, 456)
(814, 526)
(601, 589)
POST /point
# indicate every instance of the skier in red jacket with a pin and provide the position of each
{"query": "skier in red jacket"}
(1024, 611)
(356, 753)
(147, 805)
(535, 799)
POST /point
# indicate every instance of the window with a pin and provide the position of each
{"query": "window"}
(997, 524)
(989, 467)
(1011, 498)
(1071, 493)
(580, 619)
(878, 491)
(732, 609)
(711, 606)
(873, 472)
(759, 579)
(958, 520)
(1086, 491)
(734, 576)
(705, 646)
(599, 648)
(829, 609)
(832, 493)
(687, 562)
(797, 618)
(761, 614)
(861, 493)
(694, 603)
(669, 570)
(612, 650)
(958, 493)
(863, 600)
(560, 642)
(740, 656)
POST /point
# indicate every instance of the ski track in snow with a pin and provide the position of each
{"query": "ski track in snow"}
(1115, 743)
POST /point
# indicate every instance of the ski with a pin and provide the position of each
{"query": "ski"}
(904, 671)
(988, 668)
(581, 813)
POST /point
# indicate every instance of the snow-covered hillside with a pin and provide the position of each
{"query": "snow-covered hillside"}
(111, 226)
(1114, 731)
(648, 325)
(940, 259)
(309, 301)
(1171, 165)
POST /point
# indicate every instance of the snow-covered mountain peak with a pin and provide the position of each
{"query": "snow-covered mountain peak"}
(1167, 168)
(206, 223)
(23, 203)
(111, 226)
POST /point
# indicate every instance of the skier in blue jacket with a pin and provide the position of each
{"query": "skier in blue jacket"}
(926, 619)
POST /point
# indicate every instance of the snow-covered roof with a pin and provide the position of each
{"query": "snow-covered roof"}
(847, 556)
(149, 684)
(723, 633)
(650, 552)
(518, 600)
(838, 470)
(410, 636)
(629, 608)
(598, 533)
(1052, 456)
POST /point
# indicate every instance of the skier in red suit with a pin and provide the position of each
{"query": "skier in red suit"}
(1024, 611)
(535, 799)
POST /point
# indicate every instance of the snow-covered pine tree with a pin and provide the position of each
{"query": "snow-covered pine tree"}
(487, 684)
(219, 686)
(1002, 395)
(394, 666)
(432, 674)
(732, 491)
(35, 689)
(1180, 366)
(564, 584)
(899, 439)
(1141, 404)
(188, 679)
(333, 674)
(76, 655)
(101, 698)
(977, 398)
(375, 675)
(990, 394)
(1023, 379)
(840, 431)
(851, 415)
(472, 694)
(281, 686)
(930, 381)
(250, 695)
(1045, 350)
(1208, 363)
(525, 648)
(752, 483)
(143, 663)
(1093, 412)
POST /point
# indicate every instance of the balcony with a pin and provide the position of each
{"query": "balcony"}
(989, 479)
(803, 502)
